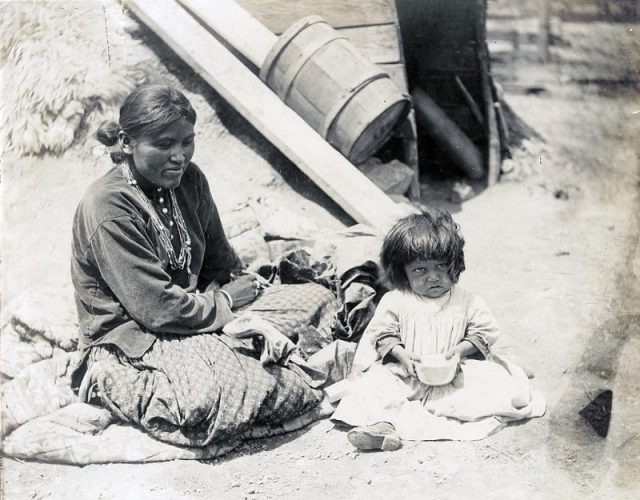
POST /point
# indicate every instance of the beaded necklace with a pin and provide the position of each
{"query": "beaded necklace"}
(164, 234)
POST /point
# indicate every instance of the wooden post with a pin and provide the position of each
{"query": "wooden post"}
(471, 103)
(544, 29)
(409, 136)
(493, 158)
(331, 171)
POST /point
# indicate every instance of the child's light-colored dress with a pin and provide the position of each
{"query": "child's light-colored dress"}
(481, 399)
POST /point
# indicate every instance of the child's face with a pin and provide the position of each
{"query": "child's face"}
(429, 278)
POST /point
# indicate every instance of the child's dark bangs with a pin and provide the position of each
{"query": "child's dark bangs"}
(423, 244)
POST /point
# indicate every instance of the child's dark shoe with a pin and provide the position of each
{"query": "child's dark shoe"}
(380, 436)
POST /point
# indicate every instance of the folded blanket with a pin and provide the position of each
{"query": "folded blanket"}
(40, 389)
(82, 434)
(35, 325)
(43, 420)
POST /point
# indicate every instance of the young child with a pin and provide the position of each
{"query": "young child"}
(428, 313)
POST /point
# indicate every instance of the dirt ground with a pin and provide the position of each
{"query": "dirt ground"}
(553, 249)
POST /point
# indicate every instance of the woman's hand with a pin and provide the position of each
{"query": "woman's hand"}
(243, 289)
(406, 359)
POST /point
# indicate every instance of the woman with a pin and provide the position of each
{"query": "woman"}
(152, 270)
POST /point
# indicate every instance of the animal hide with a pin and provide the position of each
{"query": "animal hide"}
(63, 65)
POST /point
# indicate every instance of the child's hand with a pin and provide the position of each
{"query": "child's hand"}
(453, 352)
(462, 350)
(406, 359)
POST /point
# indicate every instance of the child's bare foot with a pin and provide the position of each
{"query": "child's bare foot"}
(380, 436)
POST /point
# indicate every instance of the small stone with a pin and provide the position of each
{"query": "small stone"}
(165, 210)
(508, 167)
(393, 178)
(461, 191)
(561, 194)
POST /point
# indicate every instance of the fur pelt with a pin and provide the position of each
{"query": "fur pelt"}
(63, 64)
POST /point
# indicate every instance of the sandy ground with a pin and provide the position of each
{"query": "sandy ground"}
(553, 248)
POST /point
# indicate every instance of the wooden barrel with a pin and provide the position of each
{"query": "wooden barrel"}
(347, 99)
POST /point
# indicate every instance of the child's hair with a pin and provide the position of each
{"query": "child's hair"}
(431, 235)
(147, 109)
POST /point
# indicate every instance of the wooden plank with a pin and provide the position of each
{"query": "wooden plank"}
(278, 15)
(235, 26)
(351, 189)
(378, 43)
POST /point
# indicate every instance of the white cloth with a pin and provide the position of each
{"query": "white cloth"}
(483, 396)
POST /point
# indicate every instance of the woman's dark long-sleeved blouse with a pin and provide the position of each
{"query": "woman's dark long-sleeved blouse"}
(126, 292)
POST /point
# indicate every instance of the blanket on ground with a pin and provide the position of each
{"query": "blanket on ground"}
(42, 419)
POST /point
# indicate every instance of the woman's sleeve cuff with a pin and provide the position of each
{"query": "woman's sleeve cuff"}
(228, 297)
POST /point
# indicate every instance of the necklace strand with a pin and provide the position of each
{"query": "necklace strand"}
(164, 234)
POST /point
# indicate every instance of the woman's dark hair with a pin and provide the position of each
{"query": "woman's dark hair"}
(147, 109)
(431, 235)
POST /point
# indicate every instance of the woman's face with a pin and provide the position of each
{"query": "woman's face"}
(429, 278)
(161, 158)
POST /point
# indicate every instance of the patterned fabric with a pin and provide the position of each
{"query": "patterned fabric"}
(304, 313)
(192, 391)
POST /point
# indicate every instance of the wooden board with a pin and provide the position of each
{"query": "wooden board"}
(237, 27)
(377, 43)
(346, 185)
(278, 15)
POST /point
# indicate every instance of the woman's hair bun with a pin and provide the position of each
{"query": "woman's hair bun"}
(107, 132)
